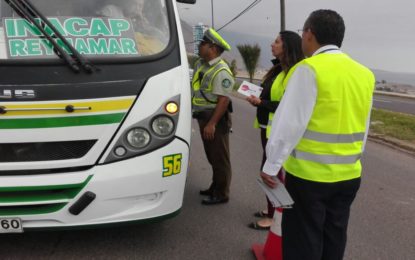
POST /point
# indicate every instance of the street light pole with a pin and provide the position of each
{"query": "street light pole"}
(213, 22)
(282, 12)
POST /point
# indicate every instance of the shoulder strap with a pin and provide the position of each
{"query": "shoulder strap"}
(205, 97)
(221, 65)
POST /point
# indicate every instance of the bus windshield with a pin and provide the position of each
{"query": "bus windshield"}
(96, 28)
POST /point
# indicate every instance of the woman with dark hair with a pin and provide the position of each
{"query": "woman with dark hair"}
(287, 52)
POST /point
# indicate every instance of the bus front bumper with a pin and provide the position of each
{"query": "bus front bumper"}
(130, 190)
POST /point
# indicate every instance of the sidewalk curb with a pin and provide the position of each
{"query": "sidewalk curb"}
(406, 148)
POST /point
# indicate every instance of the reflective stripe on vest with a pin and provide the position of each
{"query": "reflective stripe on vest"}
(205, 84)
(326, 159)
(331, 147)
(334, 138)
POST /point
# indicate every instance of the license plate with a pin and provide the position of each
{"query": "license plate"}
(11, 225)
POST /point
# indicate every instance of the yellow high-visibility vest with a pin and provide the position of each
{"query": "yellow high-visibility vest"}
(331, 147)
(205, 84)
(277, 92)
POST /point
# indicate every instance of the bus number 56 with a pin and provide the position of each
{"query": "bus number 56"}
(172, 164)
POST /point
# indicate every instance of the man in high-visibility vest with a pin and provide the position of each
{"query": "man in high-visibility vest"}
(318, 136)
(212, 84)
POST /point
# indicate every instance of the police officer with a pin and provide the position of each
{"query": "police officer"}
(212, 83)
(319, 133)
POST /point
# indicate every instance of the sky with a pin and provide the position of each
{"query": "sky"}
(379, 33)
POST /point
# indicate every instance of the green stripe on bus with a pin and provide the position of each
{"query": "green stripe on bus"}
(31, 209)
(60, 121)
(46, 187)
(37, 196)
(41, 193)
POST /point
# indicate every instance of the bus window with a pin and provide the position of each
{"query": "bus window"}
(143, 29)
(149, 21)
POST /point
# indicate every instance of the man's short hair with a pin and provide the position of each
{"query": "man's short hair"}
(327, 26)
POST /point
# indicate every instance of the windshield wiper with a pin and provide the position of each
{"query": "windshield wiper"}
(85, 64)
(24, 13)
(27, 11)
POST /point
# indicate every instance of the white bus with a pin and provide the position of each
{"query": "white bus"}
(95, 112)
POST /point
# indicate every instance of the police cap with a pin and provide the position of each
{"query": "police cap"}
(213, 37)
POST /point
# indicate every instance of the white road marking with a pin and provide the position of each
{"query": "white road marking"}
(396, 101)
(381, 100)
(406, 102)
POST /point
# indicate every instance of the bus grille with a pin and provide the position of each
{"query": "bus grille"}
(32, 200)
(47, 151)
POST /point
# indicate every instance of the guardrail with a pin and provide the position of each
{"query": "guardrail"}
(392, 94)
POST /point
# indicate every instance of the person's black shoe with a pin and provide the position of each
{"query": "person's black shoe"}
(206, 192)
(212, 200)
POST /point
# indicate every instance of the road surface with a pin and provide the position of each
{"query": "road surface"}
(382, 224)
(396, 104)
(391, 103)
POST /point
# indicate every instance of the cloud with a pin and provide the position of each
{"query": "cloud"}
(378, 32)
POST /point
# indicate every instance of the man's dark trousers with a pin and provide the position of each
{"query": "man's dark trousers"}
(217, 153)
(316, 227)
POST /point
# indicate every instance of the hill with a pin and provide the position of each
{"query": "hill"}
(394, 77)
(235, 38)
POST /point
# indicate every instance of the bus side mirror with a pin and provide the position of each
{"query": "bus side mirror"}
(187, 1)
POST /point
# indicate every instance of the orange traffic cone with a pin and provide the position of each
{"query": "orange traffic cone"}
(272, 250)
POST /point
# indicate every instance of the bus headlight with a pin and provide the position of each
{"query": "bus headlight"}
(138, 138)
(150, 133)
(163, 126)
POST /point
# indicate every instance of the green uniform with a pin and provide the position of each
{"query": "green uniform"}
(211, 80)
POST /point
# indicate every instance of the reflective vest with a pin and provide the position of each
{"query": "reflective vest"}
(205, 84)
(277, 91)
(332, 144)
